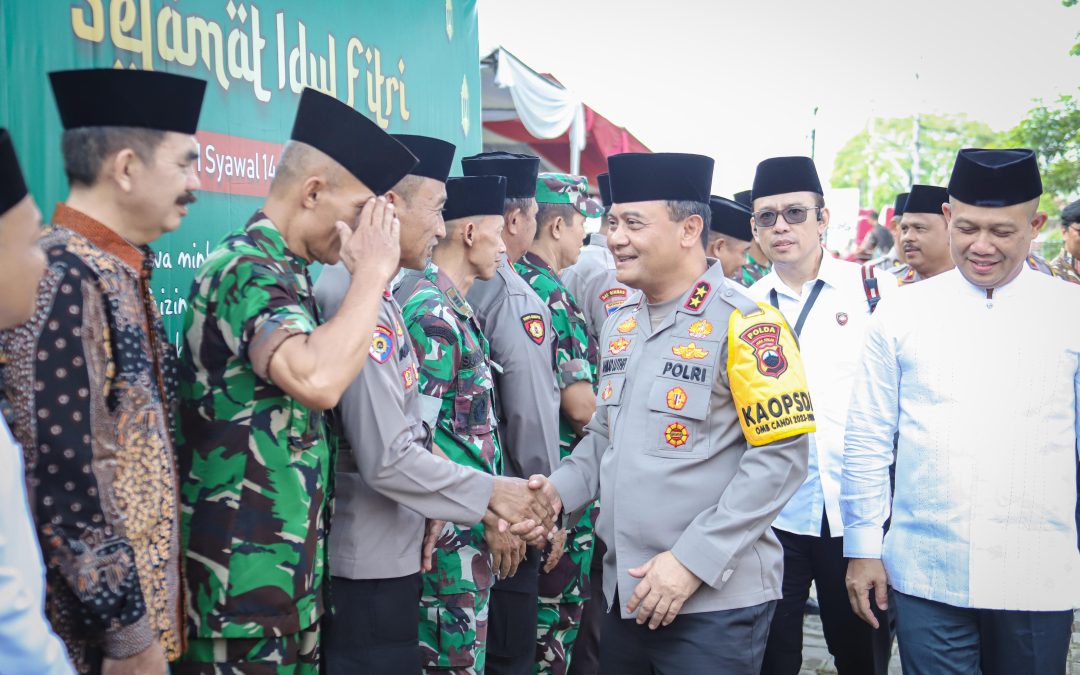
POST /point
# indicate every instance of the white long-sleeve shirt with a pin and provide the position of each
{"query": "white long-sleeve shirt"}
(830, 343)
(985, 393)
(27, 643)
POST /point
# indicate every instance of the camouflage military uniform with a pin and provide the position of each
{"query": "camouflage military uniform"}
(1064, 266)
(255, 463)
(752, 271)
(457, 402)
(564, 590)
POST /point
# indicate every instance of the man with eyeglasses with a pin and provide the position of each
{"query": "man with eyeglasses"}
(1067, 263)
(828, 304)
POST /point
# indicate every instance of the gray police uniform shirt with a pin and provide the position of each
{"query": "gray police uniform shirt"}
(591, 280)
(388, 481)
(511, 314)
(666, 455)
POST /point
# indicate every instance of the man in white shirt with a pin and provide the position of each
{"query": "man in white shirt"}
(826, 303)
(978, 368)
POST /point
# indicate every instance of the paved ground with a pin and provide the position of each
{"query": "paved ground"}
(816, 657)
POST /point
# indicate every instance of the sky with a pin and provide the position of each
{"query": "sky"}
(739, 81)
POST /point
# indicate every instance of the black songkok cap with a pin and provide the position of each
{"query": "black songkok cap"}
(474, 196)
(730, 218)
(352, 140)
(995, 178)
(661, 176)
(436, 155)
(603, 181)
(108, 97)
(900, 205)
(12, 185)
(780, 175)
(745, 199)
(520, 171)
(926, 199)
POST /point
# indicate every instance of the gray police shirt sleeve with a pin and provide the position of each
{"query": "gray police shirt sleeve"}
(387, 452)
(578, 477)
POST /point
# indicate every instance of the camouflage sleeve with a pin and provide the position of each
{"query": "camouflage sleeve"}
(80, 534)
(572, 363)
(257, 309)
(438, 349)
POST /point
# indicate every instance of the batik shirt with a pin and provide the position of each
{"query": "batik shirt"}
(456, 391)
(90, 379)
(255, 463)
(1064, 266)
(575, 361)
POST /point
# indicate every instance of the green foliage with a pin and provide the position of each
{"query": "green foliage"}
(1075, 51)
(1053, 132)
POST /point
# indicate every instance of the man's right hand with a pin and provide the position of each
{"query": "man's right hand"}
(524, 509)
(864, 574)
(150, 661)
(373, 245)
(507, 552)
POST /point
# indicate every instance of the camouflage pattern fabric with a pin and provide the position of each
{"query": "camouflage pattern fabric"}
(1064, 266)
(296, 654)
(556, 630)
(575, 361)
(565, 188)
(456, 390)
(255, 463)
(752, 271)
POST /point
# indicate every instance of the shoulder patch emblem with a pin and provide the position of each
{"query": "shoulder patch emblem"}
(382, 343)
(676, 398)
(606, 392)
(689, 352)
(613, 298)
(700, 329)
(698, 295)
(618, 345)
(534, 327)
(628, 325)
(676, 435)
(765, 339)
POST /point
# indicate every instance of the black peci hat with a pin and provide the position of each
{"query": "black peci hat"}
(730, 218)
(436, 155)
(12, 185)
(474, 196)
(603, 182)
(352, 140)
(926, 199)
(780, 175)
(745, 199)
(900, 204)
(661, 176)
(110, 97)
(995, 178)
(519, 170)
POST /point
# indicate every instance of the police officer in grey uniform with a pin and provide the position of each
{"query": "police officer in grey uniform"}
(697, 443)
(388, 480)
(517, 323)
(591, 279)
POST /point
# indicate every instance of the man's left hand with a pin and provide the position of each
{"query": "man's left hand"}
(665, 585)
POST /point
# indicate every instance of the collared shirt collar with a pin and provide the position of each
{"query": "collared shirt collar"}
(138, 258)
(539, 263)
(829, 271)
(446, 286)
(265, 235)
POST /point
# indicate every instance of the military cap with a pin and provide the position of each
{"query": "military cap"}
(12, 185)
(900, 204)
(730, 218)
(474, 196)
(780, 175)
(745, 199)
(110, 97)
(519, 170)
(995, 178)
(603, 182)
(436, 155)
(352, 140)
(661, 176)
(926, 199)
(566, 188)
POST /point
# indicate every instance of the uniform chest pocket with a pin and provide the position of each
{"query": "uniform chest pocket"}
(677, 412)
(472, 400)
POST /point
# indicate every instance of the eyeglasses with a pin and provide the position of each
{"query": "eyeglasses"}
(793, 215)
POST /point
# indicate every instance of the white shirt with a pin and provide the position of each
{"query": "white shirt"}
(986, 396)
(830, 342)
(27, 643)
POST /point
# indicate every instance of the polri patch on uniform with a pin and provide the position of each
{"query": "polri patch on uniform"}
(627, 326)
(613, 298)
(676, 434)
(689, 352)
(408, 377)
(676, 398)
(382, 343)
(618, 345)
(534, 327)
(700, 329)
(765, 339)
(698, 295)
(841, 318)
(607, 391)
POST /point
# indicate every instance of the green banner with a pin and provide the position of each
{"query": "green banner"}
(411, 65)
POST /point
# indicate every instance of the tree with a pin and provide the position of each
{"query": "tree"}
(1053, 132)
(1075, 51)
(890, 154)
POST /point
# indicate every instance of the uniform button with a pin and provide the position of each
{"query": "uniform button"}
(728, 293)
(727, 575)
